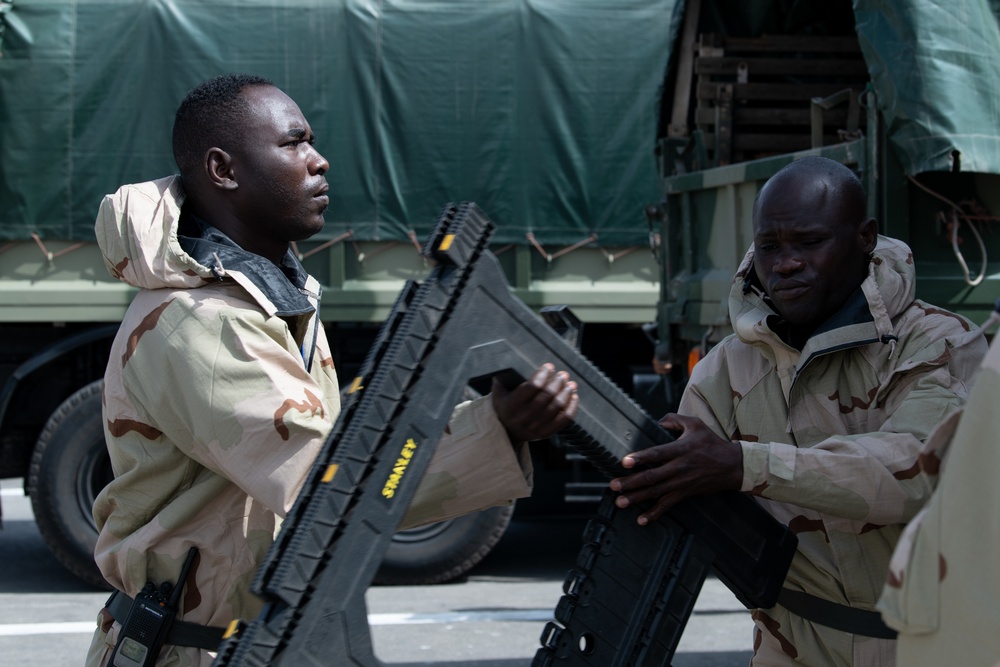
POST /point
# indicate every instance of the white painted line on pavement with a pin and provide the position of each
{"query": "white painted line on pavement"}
(488, 615)
(531, 615)
(14, 629)
(12, 492)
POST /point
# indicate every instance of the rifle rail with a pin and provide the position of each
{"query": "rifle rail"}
(460, 325)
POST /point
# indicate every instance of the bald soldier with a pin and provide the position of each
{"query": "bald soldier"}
(818, 405)
(220, 389)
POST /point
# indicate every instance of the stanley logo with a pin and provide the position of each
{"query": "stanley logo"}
(391, 484)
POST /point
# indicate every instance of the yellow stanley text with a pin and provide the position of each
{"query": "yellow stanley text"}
(391, 484)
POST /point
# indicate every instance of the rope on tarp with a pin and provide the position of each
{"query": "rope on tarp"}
(952, 221)
(559, 253)
(321, 247)
(49, 255)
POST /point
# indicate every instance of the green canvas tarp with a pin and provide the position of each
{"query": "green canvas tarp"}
(544, 112)
(935, 65)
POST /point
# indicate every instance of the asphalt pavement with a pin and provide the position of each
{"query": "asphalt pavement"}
(493, 618)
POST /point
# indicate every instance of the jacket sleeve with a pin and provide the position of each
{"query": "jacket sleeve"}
(943, 575)
(241, 404)
(873, 477)
(229, 389)
(474, 467)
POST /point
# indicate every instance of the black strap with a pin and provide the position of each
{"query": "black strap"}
(836, 616)
(181, 633)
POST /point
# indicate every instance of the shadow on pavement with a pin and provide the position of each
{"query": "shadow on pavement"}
(29, 566)
(535, 548)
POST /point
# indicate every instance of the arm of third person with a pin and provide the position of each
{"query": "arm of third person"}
(537, 408)
(697, 462)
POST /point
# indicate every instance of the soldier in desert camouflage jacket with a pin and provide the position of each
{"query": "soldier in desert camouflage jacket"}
(943, 588)
(818, 405)
(220, 389)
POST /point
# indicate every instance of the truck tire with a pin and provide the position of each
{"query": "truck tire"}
(444, 551)
(69, 467)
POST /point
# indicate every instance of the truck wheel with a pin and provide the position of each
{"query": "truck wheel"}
(441, 552)
(69, 467)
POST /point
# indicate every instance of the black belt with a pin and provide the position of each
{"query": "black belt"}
(836, 616)
(181, 633)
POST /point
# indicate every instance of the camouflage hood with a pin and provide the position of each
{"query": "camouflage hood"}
(867, 317)
(137, 231)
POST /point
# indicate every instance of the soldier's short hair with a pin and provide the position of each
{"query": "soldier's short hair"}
(844, 180)
(211, 114)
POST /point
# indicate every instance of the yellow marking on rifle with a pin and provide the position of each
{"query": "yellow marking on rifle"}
(231, 630)
(331, 470)
(446, 242)
(398, 470)
(356, 385)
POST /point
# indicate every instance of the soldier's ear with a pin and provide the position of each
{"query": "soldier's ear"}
(218, 166)
(868, 235)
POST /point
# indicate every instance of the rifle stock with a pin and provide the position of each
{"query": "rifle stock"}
(628, 598)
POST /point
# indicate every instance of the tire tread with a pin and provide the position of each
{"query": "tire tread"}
(44, 499)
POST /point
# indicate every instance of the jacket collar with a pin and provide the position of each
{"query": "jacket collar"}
(285, 286)
(865, 318)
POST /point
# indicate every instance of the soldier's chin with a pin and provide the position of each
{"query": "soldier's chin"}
(794, 316)
(312, 228)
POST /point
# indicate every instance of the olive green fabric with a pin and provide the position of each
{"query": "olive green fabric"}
(544, 112)
(935, 65)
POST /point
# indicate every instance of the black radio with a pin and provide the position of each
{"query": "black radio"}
(145, 629)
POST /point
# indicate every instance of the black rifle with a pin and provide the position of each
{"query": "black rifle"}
(632, 590)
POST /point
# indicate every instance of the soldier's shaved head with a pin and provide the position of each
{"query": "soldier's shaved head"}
(813, 170)
(812, 241)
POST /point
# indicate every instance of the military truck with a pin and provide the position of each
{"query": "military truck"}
(617, 144)
(905, 92)
(541, 113)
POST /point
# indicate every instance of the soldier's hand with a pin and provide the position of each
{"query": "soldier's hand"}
(537, 408)
(697, 462)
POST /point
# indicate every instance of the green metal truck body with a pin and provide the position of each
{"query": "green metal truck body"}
(760, 77)
(618, 145)
(543, 113)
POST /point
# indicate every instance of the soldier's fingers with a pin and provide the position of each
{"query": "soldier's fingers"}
(638, 483)
(661, 507)
(657, 454)
(538, 397)
(556, 382)
(531, 388)
(574, 403)
(545, 404)
(653, 493)
(673, 421)
(498, 388)
(542, 376)
(568, 396)
(569, 402)
(557, 391)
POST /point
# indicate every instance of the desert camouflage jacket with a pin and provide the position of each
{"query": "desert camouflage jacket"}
(831, 435)
(219, 393)
(943, 588)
